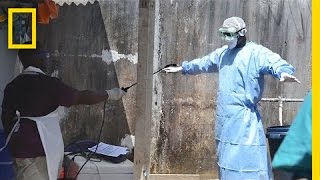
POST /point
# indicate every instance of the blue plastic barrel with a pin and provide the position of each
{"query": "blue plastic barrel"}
(6, 166)
(275, 135)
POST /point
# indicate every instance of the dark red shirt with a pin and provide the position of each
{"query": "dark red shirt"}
(32, 95)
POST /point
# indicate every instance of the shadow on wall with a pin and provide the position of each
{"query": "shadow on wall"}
(76, 40)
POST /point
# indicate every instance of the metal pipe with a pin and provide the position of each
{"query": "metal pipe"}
(281, 100)
(280, 110)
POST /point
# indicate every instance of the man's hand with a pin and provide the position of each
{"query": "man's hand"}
(115, 94)
(172, 69)
(285, 77)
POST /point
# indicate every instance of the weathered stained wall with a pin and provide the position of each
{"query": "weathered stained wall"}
(90, 51)
(183, 106)
(121, 23)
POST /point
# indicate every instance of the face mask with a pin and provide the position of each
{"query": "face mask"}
(232, 43)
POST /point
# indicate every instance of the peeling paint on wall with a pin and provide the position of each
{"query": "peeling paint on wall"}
(107, 56)
(113, 56)
(55, 73)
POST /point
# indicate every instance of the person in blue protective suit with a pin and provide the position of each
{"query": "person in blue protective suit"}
(239, 133)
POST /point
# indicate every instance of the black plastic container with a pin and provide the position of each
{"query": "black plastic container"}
(275, 135)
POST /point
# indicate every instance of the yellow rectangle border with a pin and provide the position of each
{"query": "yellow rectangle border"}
(33, 27)
(315, 89)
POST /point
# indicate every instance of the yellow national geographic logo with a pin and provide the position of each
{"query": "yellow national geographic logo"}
(12, 28)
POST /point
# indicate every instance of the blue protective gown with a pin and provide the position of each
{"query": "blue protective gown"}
(241, 143)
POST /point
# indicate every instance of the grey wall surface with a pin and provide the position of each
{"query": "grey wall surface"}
(121, 23)
(183, 106)
(7, 63)
(85, 55)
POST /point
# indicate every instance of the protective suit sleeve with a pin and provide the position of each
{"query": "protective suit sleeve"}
(206, 64)
(271, 63)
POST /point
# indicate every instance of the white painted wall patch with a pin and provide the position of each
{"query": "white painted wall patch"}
(107, 56)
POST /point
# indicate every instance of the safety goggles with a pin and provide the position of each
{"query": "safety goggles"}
(229, 34)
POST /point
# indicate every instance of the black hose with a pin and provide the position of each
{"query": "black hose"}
(99, 137)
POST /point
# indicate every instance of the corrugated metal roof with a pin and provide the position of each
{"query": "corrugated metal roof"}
(76, 2)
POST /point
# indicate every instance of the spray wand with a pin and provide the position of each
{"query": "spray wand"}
(125, 89)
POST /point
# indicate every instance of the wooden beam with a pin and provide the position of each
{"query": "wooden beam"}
(146, 51)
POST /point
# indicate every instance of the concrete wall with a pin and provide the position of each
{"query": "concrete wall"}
(183, 107)
(90, 51)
